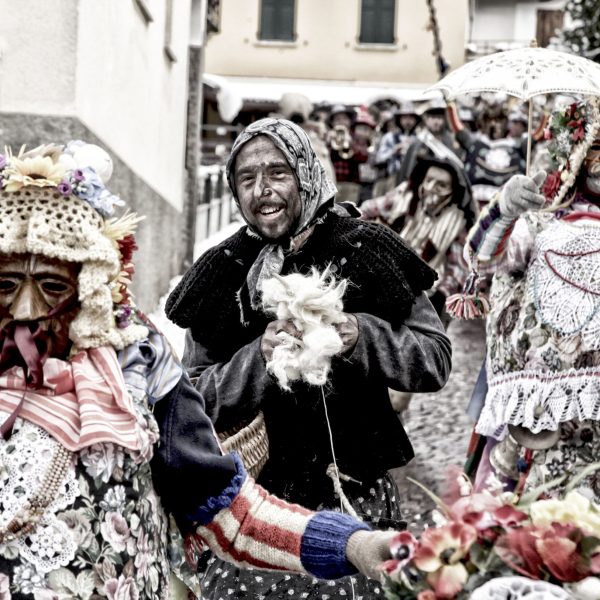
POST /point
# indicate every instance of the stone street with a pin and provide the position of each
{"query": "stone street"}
(438, 425)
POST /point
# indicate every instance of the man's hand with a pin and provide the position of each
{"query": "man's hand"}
(522, 193)
(348, 331)
(270, 339)
(366, 550)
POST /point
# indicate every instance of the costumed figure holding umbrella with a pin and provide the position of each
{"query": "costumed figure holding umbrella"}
(539, 405)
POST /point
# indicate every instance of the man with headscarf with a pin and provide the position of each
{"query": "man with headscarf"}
(97, 416)
(392, 338)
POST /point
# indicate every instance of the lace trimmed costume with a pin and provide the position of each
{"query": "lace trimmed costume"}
(103, 533)
(543, 342)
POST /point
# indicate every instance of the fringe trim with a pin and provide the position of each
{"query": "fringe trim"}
(467, 306)
(540, 400)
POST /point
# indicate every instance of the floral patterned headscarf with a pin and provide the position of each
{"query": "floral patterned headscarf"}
(313, 184)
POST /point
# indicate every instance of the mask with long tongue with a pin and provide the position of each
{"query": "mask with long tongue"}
(24, 344)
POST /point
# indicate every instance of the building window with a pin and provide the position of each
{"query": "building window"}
(377, 21)
(277, 20)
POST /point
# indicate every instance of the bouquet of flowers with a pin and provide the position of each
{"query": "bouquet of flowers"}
(486, 535)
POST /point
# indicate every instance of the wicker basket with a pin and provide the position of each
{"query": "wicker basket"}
(250, 441)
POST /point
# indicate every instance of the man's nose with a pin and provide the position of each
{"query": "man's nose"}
(29, 304)
(260, 184)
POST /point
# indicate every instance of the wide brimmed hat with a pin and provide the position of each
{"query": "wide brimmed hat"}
(407, 109)
(337, 109)
(435, 106)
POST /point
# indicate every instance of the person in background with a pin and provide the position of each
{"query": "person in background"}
(433, 140)
(394, 144)
(432, 212)
(363, 130)
(391, 335)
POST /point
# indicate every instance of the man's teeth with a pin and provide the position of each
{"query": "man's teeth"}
(269, 210)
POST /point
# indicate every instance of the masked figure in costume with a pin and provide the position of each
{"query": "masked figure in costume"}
(540, 418)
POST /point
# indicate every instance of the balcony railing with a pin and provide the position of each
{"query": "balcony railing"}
(217, 208)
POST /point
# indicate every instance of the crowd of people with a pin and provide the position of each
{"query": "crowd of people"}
(113, 479)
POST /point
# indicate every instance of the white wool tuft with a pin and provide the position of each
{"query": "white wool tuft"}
(314, 304)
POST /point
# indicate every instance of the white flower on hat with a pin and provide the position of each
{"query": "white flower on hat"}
(90, 155)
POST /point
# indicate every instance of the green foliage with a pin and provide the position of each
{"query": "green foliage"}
(583, 37)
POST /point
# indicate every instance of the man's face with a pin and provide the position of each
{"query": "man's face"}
(407, 122)
(591, 171)
(435, 191)
(363, 133)
(494, 126)
(342, 119)
(30, 287)
(435, 122)
(267, 189)
(516, 128)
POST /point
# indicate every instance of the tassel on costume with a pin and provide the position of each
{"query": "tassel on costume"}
(469, 304)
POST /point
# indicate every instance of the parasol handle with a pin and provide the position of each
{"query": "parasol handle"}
(529, 120)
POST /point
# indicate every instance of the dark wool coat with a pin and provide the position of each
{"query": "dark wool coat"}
(401, 344)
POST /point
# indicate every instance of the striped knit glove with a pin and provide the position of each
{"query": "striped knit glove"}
(366, 550)
(520, 194)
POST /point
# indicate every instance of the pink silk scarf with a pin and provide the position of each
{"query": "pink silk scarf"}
(82, 401)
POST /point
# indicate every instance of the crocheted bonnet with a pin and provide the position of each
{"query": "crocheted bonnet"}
(571, 130)
(53, 202)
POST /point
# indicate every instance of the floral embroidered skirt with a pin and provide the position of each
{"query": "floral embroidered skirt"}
(376, 504)
(577, 448)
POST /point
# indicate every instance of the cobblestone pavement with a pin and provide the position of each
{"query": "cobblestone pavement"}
(438, 425)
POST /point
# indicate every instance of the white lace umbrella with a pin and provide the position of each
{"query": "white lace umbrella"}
(524, 73)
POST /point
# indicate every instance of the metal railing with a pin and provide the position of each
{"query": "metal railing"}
(217, 208)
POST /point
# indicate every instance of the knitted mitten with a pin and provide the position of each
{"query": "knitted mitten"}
(366, 550)
(521, 193)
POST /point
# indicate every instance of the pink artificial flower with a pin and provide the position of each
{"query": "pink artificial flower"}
(402, 549)
(517, 549)
(551, 185)
(578, 134)
(560, 549)
(427, 595)
(440, 553)
(508, 516)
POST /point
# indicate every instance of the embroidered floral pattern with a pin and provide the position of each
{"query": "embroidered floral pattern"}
(544, 333)
(114, 532)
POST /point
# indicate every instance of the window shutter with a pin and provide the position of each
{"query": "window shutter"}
(277, 20)
(377, 22)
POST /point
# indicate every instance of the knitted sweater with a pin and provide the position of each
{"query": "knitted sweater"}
(543, 330)
(211, 497)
